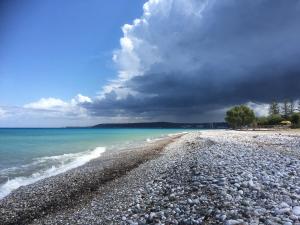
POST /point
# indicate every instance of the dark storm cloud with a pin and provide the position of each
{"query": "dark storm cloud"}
(195, 58)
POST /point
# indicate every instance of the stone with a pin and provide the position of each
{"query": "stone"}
(296, 210)
(233, 222)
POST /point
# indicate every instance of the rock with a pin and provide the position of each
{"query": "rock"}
(296, 210)
(283, 210)
(284, 205)
(233, 222)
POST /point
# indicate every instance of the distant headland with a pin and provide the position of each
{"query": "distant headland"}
(214, 125)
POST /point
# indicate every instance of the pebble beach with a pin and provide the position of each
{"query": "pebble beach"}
(202, 177)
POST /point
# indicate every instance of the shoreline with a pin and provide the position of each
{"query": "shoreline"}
(75, 186)
(27, 160)
(205, 177)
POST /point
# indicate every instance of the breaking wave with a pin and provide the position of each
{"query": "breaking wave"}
(48, 166)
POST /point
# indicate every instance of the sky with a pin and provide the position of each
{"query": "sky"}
(77, 63)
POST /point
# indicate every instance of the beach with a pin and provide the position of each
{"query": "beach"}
(201, 177)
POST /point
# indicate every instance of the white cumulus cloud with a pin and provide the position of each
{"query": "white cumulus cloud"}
(55, 106)
(47, 104)
(81, 99)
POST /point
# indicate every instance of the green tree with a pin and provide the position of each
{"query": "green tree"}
(291, 107)
(274, 108)
(240, 116)
(274, 119)
(261, 121)
(288, 108)
(285, 109)
(295, 119)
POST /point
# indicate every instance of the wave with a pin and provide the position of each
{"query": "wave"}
(59, 164)
(175, 134)
(151, 140)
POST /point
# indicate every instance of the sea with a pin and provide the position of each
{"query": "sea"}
(28, 155)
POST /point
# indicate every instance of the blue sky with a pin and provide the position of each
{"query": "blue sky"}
(59, 48)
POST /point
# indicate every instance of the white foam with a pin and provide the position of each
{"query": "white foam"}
(175, 134)
(150, 140)
(67, 162)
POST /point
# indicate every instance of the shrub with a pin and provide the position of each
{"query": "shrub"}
(295, 119)
(275, 119)
(261, 121)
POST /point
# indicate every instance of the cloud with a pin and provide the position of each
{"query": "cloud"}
(259, 109)
(81, 99)
(55, 112)
(48, 112)
(47, 104)
(2, 113)
(187, 60)
(57, 107)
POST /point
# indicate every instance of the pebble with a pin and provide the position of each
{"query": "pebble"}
(296, 210)
(232, 222)
(250, 181)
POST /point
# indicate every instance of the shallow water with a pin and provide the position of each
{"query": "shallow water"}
(28, 155)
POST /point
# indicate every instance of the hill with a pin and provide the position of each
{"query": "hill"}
(217, 125)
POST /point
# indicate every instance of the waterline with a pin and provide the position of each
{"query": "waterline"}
(74, 160)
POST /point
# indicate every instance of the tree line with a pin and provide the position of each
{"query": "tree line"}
(286, 113)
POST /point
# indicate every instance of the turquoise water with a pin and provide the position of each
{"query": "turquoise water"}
(28, 155)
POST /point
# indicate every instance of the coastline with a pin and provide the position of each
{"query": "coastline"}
(206, 177)
(75, 186)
